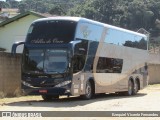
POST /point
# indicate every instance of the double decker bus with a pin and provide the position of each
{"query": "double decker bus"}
(76, 56)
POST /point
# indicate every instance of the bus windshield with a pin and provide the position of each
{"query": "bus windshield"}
(52, 31)
(46, 61)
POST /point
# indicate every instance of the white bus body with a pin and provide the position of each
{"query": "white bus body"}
(102, 58)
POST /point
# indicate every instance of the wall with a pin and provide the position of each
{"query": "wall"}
(15, 31)
(10, 74)
(154, 68)
(154, 74)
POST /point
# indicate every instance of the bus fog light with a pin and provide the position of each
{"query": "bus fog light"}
(26, 84)
(67, 91)
(63, 84)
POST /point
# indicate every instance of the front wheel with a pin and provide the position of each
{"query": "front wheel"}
(88, 91)
(49, 97)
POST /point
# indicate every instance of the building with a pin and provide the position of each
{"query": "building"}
(15, 29)
(8, 12)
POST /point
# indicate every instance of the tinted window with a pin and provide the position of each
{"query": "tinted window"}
(109, 65)
(81, 48)
(55, 60)
(45, 61)
(78, 63)
(51, 32)
(126, 39)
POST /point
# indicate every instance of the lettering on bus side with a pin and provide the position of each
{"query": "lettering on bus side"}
(49, 41)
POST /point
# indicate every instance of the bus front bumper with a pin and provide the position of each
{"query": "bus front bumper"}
(46, 90)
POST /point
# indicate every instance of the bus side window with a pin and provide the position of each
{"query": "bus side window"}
(146, 66)
(78, 63)
(109, 65)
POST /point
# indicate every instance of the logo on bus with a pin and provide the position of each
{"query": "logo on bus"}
(85, 31)
(43, 41)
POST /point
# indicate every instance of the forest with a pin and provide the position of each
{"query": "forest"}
(129, 14)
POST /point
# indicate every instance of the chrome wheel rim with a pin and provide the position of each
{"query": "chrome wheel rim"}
(130, 88)
(136, 87)
(88, 90)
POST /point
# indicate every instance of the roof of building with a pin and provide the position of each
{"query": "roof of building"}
(11, 12)
(19, 16)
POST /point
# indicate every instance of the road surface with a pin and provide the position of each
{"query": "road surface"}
(147, 99)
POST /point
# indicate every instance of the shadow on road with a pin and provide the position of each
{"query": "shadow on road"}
(71, 102)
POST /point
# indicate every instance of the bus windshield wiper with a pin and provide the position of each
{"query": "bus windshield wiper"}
(55, 72)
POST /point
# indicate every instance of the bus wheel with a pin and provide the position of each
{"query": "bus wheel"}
(130, 88)
(88, 91)
(50, 97)
(47, 97)
(136, 86)
(55, 97)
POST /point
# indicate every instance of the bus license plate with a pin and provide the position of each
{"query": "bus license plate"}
(43, 91)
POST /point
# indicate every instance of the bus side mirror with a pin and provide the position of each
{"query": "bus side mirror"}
(81, 51)
(69, 65)
(146, 66)
(14, 47)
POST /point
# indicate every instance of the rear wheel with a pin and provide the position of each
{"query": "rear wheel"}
(130, 88)
(136, 86)
(88, 91)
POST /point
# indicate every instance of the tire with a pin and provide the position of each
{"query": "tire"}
(55, 97)
(88, 91)
(136, 86)
(49, 97)
(130, 88)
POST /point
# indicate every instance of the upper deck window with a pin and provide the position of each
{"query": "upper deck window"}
(51, 31)
(127, 39)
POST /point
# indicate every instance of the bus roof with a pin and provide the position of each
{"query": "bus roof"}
(80, 19)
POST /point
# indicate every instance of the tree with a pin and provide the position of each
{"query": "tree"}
(2, 49)
(57, 10)
(23, 7)
(107, 11)
(40, 7)
(129, 14)
(4, 4)
(13, 4)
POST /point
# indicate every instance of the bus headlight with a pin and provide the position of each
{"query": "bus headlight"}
(26, 84)
(63, 84)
